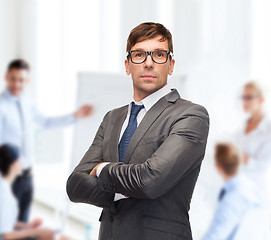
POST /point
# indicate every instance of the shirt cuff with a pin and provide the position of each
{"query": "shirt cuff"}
(119, 196)
(100, 168)
(73, 118)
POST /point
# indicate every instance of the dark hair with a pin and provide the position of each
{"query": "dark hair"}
(8, 154)
(149, 30)
(18, 64)
(227, 157)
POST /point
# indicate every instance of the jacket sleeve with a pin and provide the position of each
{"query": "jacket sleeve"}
(181, 152)
(81, 187)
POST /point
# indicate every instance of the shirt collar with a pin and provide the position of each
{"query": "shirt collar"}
(10, 96)
(4, 182)
(150, 100)
(233, 181)
(262, 126)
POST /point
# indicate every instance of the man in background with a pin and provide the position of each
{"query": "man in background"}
(18, 116)
(239, 208)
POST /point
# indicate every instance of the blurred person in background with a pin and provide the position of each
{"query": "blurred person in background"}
(18, 116)
(239, 212)
(254, 139)
(10, 228)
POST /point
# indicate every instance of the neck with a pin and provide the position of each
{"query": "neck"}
(256, 116)
(140, 94)
(12, 94)
(9, 178)
(227, 177)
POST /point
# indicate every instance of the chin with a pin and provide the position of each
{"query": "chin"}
(150, 87)
(16, 92)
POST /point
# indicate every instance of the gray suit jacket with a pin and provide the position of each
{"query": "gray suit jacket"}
(158, 173)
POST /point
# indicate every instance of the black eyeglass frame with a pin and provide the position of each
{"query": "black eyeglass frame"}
(250, 97)
(169, 53)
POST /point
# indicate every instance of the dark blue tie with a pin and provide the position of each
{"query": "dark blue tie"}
(221, 194)
(129, 131)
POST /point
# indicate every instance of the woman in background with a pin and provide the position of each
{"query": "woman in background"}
(254, 139)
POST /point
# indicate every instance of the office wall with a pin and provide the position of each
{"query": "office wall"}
(17, 35)
(8, 34)
(218, 46)
(261, 40)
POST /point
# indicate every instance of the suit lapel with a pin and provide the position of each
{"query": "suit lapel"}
(154, 112)
(117, 121)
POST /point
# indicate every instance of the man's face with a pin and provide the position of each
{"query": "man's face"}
(149, 76)
(17, 79)
(16, 168)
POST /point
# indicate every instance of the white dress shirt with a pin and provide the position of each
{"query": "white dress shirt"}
(18, 117)
(148, 102)
(8, 207)
(257, 145)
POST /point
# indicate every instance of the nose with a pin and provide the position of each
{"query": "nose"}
(148, 64)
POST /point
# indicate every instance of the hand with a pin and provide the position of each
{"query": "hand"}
(35, 223)
(28, 226)
(94, 170)
(84, 111)
(64, 237)
(44, 233)
(245, 158)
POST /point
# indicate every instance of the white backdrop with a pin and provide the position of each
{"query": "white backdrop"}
(218, 46)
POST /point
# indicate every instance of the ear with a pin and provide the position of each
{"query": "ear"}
(127, 67)
(262, 100)
(171, 67)
(219, 169)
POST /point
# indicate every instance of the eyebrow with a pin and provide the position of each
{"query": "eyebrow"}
(150, 51)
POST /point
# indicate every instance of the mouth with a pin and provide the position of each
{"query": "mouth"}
(148, 76)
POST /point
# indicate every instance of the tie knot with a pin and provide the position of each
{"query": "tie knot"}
(136, 108)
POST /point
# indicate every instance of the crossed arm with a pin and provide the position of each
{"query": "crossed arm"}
(181, 152)
(81, 187)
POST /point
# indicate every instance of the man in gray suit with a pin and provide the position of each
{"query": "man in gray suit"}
(145, 159)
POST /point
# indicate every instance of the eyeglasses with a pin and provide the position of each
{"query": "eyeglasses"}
(158, 56)
(249, 97)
